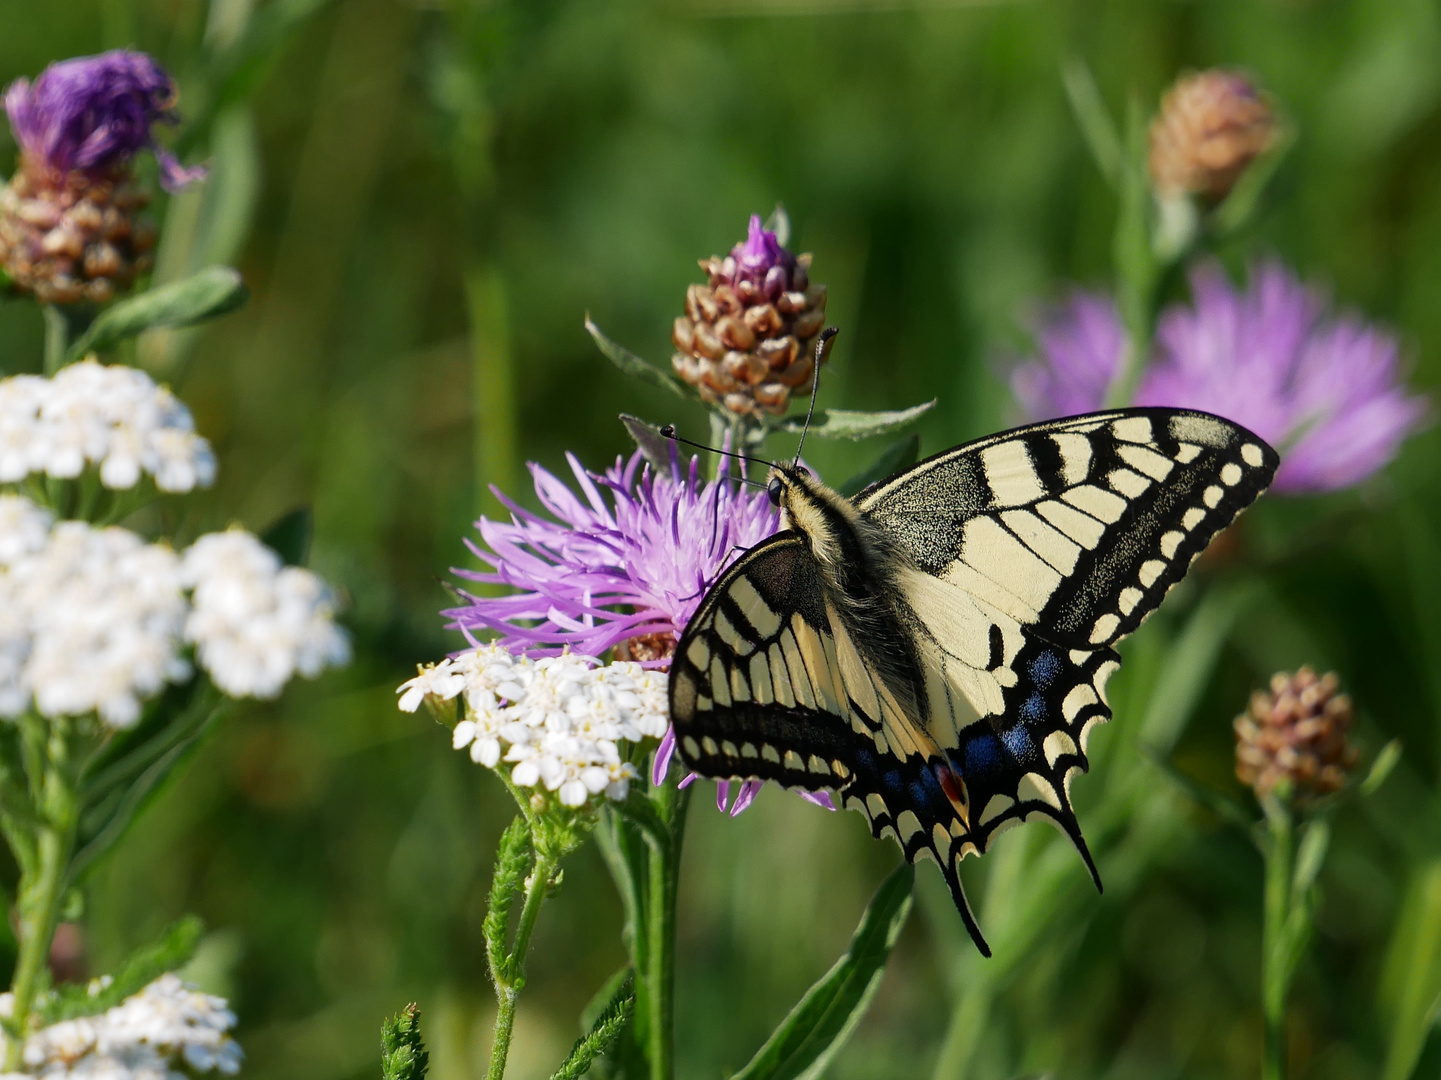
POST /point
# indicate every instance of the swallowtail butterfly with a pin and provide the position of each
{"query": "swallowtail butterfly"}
(935, 650)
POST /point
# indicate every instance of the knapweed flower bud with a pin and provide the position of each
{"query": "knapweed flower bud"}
(743, 340)
(70, 222)
(1296, 733)
(1211, 126)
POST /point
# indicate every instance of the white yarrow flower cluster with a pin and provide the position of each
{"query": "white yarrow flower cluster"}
(255, 622)
(95, 620)
(164, 1032)
(116, 419)
(558, 720)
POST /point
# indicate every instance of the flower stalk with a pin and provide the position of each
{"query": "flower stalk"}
(1276, 972)
(664, 888)
(507, 969)
(49, 757)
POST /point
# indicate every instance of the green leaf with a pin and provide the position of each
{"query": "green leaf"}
(128, 773)
(289, 536)
(1187, 669)
(1240, 206)
(847, 424)
(1219, 803)
(897, 456)
(208, 294)
(1386, 760)
(1102, 137)
(1410, 988)
(633, 365)
(402, 1051)
(655, 446)
(1309, 856)
(513, 861)
(173, 950)
(603, 1033)
(819, 1025)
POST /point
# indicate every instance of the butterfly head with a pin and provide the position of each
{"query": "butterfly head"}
(811, 509)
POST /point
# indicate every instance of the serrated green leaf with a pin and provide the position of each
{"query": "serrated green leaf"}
(819, 1025)
(655, 446)
(173, 950)
(289, 536)
(849, 424)
(897, 456)
(633, 365)
(602, 1033)
(208, 294)
(402, 1051)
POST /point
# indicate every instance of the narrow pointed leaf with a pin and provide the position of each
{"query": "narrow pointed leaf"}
(849, 424)
(402, 1051)
(208, 294)
(1386, 760)
(604, 1031)
(632, 364)
(1410, 987)
(819, 1025)
(1102, 137)
(898, 456)
(655, 446)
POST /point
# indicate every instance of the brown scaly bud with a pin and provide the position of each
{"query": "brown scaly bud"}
(1211, 126)
(743, 340)
(72, 237)
(1296, 733)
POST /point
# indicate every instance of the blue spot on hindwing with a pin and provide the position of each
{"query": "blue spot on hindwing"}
(1033, 709)
(1018, 741)
(1045, 668)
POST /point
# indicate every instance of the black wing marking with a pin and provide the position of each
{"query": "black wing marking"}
(1077, 528)
(765, 684)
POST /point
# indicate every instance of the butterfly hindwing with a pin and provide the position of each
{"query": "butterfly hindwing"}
(768, 684)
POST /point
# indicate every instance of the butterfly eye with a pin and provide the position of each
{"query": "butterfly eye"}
(774, 489)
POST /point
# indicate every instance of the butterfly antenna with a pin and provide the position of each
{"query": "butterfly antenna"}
(823, 350)
(668, 431)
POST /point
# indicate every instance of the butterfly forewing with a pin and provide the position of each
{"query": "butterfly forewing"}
(1016, 563)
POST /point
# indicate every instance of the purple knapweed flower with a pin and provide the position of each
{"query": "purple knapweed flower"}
(1323, 388)
(1081, 342)
(628, 559)
(96, 112)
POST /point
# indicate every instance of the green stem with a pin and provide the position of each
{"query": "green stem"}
(42, 888)
(1137, 271)
(1275, 966)
(662, 892)
(57, 338)
(508, 984)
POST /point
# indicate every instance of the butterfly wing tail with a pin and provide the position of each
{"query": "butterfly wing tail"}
(950, 870)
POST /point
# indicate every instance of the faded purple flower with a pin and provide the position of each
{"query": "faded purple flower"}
(1323, 388)
(95, 112)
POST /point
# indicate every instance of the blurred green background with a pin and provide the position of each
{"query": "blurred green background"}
(427, 197)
